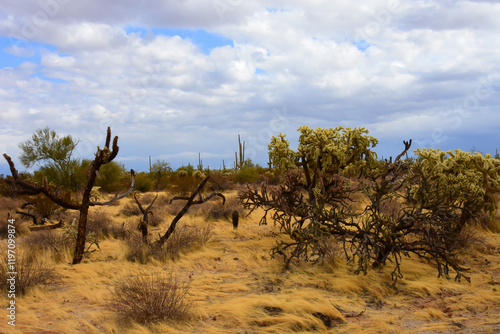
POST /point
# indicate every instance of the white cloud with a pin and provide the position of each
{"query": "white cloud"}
(397, 67)
(19, 51)
(54, 60)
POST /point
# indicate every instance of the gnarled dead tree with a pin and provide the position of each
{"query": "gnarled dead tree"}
(102, 157)
(143, 224)
(190, 201)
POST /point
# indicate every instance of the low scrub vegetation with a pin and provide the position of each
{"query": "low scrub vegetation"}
(151, 297)
(184, 239)
(31, 271)
(438, 195)
(329, 210)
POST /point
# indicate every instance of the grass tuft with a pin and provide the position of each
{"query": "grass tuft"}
(151, 297)
(30, 272)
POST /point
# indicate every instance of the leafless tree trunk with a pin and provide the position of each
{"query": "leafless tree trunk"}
(190, 201)
(143, 225)
(102, 157)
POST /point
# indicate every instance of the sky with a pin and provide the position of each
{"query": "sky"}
(175, 79)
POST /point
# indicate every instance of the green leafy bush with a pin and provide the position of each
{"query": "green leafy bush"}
(246, 175)
(143, 182)
(110, 177)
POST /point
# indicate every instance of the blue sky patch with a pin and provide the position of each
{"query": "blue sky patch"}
(361, 45)
(7, 59)
(27, 51)
(55, 80)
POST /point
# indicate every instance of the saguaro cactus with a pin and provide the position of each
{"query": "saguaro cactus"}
(238, 164)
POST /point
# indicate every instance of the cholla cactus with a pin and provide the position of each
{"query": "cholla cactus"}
(414, 207)
(95, 193)
(198, 174)
(460, 179)
(323, 153)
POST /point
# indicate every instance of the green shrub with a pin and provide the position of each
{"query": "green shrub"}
(110, 177)
(143, 182)
(181, 183)
(246, 175)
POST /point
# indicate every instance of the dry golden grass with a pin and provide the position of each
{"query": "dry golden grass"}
(237, 288)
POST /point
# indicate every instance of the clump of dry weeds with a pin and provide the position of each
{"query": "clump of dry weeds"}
(151, 297)
(30, 271)
(185, 238)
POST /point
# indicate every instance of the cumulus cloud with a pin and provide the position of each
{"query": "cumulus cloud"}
(402, 69)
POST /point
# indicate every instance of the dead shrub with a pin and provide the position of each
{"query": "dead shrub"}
(156, 219)
(5, 189)
(44, 206)
(8, 207)
(185, 238)
(138, 251)
(20, 226)
(176, 206)
(151, 297)
(118, 231)
(30, 270)
(148, 197)
(162, 201)
(8, 204)
(55, 240)
(215, 210)
(466, 238)
(130, 209)
(99, 223)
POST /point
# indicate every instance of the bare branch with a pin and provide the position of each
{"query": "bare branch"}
(47, 227)
(22, 187)
(138, 203)
(150, 205)
(201, 200)
(35, 222)
(116, 196)
(159, 243)
(407, 147)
